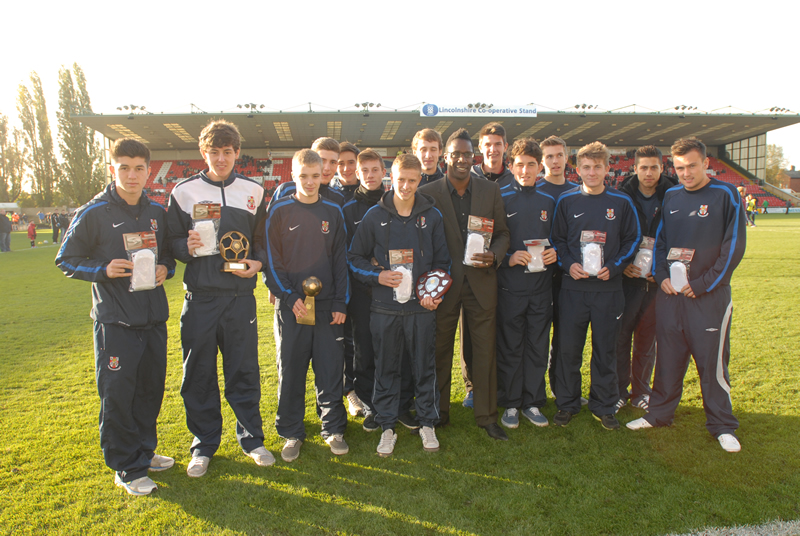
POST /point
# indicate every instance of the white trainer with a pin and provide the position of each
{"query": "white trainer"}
(386, 445)
(639, 424)
(729, 443)
(139, 487)
(262, 456)
(161, 463)
(429, 441)
(354, 404)
(198, 466)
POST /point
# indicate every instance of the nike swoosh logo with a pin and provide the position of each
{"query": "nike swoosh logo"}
(620, 316)
(340, 339)
(712, 329)
(115, 225)
(673, 211)
(356, 222)
(578, 215)
(253, 320)
(384, 223)
(510, 215)
(293, 228)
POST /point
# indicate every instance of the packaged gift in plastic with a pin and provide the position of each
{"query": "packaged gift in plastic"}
(536, 249)
(479, 237)
(402, 260)
(142, 251)
(205, 220)
(592, 243)
(644, 257)
(678, 260)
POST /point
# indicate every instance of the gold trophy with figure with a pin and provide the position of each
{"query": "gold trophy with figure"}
(234, 248)
(311, 286)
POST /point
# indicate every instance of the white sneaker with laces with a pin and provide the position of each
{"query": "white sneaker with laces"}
(386, 445)
(337, 444)
(354, 404)
(729, 443)
(198, 466)
(138, 487)
(639, 424)
(161, 463)
(262, 456)
(429, 441)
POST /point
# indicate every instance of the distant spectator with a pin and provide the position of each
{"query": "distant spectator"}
(766, 205)
(41, 216)
(32, 234)
(64, 220)
(5, 232)
(788, 206)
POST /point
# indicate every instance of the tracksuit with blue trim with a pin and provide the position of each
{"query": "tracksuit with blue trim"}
(524, 302)
(130, 329)
(304, 240)
(555, 190)
(710, 221)
(400, 328)
(219, 311)
(592, 300)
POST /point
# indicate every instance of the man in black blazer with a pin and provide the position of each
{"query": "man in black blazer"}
(474, 287)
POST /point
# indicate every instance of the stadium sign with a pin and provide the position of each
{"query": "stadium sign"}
(433, 110)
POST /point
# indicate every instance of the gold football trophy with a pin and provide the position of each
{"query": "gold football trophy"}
(234, 247)
(311, 286)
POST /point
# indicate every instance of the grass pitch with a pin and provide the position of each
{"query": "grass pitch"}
(576, 480)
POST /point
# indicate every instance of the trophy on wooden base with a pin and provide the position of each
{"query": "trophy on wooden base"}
(234, 247)
(311, 286)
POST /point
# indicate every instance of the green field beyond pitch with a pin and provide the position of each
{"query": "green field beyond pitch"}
(577, 480)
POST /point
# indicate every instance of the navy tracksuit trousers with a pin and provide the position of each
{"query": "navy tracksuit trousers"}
(523, 336)
(578, 309)
(230, 324)
(395, 336)
(131, 367)
(699, 327)
(364, 360)
(637, 333)
(321, 345)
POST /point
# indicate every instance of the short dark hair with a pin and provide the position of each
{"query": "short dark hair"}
(326, 144)
(527, 147)
(131, 148)
(347, 147)
(220, 133)
(460, 134)
(685, 145)
(368, 155)
(493, 129)
(648, 151)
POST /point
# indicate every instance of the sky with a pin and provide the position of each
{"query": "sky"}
(169, 55)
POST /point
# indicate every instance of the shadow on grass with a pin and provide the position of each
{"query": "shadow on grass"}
(575, 480)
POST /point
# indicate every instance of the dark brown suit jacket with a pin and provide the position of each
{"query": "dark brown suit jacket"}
(486, 203)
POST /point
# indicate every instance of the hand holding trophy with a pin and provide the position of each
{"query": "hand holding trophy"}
(311, 286)
(234, 248)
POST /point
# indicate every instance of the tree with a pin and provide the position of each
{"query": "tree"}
(83, 173)
(12, 162)
(775, 164)
(38, 140)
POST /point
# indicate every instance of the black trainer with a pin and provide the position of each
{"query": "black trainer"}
(369, 424)
(409, 421)
(609, 422)
(562, 418)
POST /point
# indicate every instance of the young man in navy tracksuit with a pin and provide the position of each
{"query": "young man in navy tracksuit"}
(306, 237)
(427, 147)
(407, 221)
(370, 171)
(638, 330)
(555, 183)
(524, 299)
(346, 181)
(595, 299)
(130, 328)
(219, 310)
(705, 215)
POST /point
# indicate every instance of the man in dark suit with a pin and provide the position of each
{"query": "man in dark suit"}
(474, 287)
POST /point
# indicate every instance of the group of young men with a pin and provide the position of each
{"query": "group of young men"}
(342, 259)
